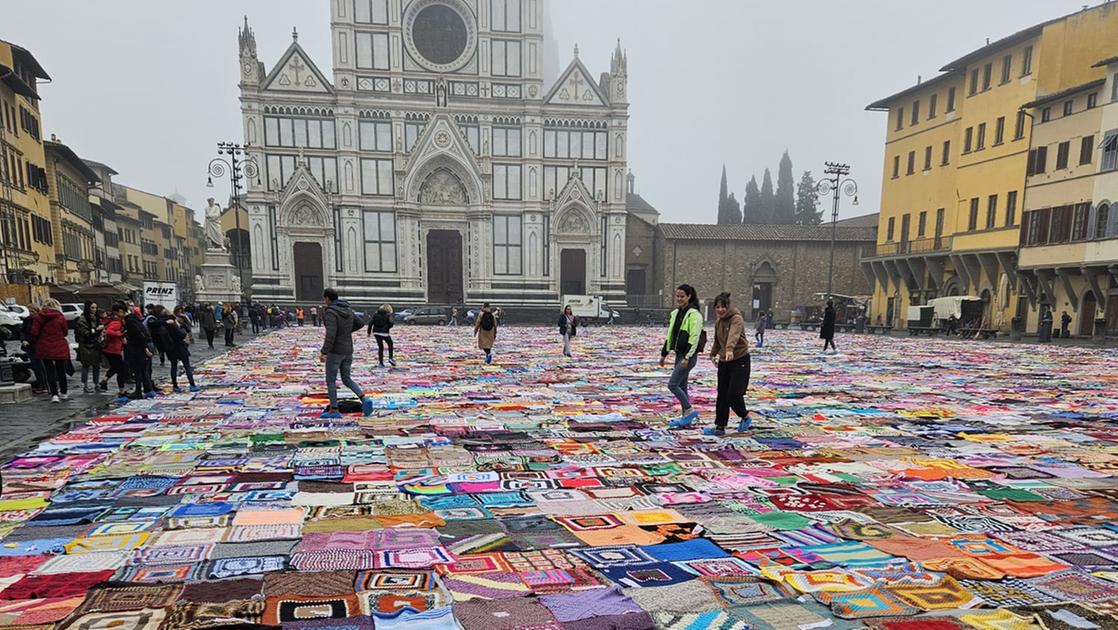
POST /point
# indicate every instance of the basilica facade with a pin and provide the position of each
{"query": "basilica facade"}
(437, 164)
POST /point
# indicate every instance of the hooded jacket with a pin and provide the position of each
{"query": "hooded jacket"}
(729, 332)
(685, 339)
(49, 331)
(114, 337)
(338, 319)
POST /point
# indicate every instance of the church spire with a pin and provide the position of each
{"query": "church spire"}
(250, 65)
(294, 34)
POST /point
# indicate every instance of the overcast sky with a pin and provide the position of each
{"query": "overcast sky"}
(149, 87)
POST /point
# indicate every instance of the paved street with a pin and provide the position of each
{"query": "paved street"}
(25, 425)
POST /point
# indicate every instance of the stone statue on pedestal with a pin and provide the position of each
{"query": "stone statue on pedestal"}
(215, 238)
(199, 285)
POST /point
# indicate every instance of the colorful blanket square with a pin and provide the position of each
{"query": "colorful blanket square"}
(719, 567)
(871, 602)
(233, 567)
(290, 608)
(603, 557)
(746, 591)
(659, 574)
(476, 563)
(589, 523)
(946, 595)
(395, 580)
(161, 574)
(1074, 586)
(413, 558)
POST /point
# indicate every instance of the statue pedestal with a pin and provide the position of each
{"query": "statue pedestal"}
(219, 279)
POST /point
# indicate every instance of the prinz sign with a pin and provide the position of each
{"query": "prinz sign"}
(165, 293)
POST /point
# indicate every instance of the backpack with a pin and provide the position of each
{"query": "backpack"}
(358, 324)
(702, 342)
(487, 321)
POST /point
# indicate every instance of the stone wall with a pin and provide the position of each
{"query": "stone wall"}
(640, 246)
(799, 269)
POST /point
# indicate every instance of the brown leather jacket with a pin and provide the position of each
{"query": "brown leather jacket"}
(729, 332)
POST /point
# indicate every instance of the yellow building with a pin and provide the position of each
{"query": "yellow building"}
(956, 152)
(25, 212)
(1068, 261)
(71, 214)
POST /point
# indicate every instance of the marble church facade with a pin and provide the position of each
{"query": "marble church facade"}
(437, 164)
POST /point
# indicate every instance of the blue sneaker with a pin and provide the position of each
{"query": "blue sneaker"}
(744, 424)
(684, 422)
(367, 406)
(488, 358)
(122, 400)
(149, 395)
(195, 388)
(715, 431)
(177, 390)
(330, 415)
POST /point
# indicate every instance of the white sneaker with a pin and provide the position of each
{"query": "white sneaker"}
(54, 399)
(64, 396)
(87, 389)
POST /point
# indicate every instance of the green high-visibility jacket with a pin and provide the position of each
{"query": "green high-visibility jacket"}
(692, 327)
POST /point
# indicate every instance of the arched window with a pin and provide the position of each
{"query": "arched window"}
(1103, 218)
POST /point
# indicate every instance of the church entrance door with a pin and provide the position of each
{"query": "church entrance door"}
(572, 272)
(444, 267)
(762, 298)
(308, 272)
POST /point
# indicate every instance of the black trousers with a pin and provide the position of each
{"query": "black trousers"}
(210, 337)
(117, 368)
(56, 375)
(381, 341)
(138, 364)
(229, 335)
(733, 379)
(255, 326)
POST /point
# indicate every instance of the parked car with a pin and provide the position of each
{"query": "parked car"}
(72, 311)
(11, 322)
(20, 310)
(427, 315)
(401, 316)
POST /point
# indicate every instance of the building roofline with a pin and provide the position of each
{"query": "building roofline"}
(16, 84)
(68, 154)
(96, 164)
(28, 59)
(1055, 96)
(882, 105)
(1106, 62)
(1009, 40)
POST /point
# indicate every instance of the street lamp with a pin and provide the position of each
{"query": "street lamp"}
(832, 185)
(239, 165)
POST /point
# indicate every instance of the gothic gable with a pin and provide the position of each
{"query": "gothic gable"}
(574, 191)
(442, 147)
(295, 72)
(576, 87)
(304, 201)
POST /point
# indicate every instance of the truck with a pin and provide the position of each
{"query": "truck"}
(589, 308)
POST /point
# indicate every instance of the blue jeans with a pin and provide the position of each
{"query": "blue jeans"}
(344, 363)
(677, 383)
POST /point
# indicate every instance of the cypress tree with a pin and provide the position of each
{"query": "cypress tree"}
(785, 206)
(768, 199)
(751, 208)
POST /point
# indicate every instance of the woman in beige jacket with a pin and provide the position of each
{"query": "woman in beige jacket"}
(486, 330)
(730, 352)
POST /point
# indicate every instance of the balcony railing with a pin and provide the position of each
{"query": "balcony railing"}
(919, 246)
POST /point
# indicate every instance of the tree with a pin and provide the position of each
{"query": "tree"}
(729, 212)
(807, 202)
(784, 210)
(733, 210)
(751, 207)
(768, 199)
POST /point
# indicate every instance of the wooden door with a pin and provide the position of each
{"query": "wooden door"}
(444, 268)
(572, 272)
(308, 272)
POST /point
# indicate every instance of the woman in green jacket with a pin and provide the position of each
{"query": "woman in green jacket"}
(685, 327)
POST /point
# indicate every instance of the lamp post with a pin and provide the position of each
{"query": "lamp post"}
(239, 165)
(831, 186)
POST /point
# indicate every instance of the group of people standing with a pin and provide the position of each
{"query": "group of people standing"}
(121, 340)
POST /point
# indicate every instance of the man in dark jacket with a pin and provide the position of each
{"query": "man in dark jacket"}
(337, 351)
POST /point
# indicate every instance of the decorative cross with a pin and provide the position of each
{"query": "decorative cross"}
(577, 80)
(298, 67)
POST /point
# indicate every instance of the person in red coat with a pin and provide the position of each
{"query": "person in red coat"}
(49, 332)
(113, 350)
